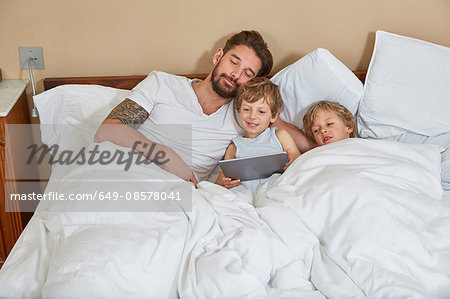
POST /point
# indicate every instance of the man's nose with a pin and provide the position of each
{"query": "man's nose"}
(236, 73)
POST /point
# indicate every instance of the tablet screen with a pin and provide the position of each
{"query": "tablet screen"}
(256, 167)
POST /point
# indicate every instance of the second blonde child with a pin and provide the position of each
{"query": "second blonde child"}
(326, 122)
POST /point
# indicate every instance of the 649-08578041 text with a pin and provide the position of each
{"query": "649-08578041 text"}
(100, 196)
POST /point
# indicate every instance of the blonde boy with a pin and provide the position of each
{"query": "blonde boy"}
(326, 122)
(258, 104)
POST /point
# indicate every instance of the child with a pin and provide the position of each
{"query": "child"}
(258, 104)
(326, 122)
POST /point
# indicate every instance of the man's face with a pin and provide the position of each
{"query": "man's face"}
(238, 66)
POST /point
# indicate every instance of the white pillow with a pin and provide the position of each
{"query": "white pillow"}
(407, 88)
(75, 110)
(315, 77)
(442, 140)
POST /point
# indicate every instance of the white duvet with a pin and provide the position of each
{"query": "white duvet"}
(351, 219)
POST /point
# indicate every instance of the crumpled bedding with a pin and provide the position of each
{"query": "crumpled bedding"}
(351, 219)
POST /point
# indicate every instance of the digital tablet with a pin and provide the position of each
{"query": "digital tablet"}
(256, 167)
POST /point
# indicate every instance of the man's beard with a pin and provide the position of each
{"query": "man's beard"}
(222, 92)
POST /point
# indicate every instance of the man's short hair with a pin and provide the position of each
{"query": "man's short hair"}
(259, 88)
(255, 41)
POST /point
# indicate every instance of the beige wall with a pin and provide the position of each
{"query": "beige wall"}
(116, 37)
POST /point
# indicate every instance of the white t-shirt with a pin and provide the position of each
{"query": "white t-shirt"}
(177, 120)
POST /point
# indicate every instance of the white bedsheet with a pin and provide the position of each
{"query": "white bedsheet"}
(384, 230)
(351, 219)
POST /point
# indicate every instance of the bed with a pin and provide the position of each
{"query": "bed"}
(363, 217)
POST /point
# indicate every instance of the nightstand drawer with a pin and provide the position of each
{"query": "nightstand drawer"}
(13, 110)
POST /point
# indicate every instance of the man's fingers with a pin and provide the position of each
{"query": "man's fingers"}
(288, 152)
(194, 179)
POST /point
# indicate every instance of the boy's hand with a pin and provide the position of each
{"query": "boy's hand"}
(227, 182)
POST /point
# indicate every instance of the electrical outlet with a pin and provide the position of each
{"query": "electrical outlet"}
(35, 53)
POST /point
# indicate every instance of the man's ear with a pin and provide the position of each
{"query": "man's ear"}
(217, 56)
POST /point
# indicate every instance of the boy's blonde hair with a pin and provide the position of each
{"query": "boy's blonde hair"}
(256, 89)
(335, 107)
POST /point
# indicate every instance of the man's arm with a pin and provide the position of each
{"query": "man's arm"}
(129, 113)
(302, 142)
(120, 127)
(131, 116)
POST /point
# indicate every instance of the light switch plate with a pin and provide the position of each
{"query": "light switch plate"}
(33, 52)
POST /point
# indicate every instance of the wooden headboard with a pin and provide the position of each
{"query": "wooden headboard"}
(128, 82)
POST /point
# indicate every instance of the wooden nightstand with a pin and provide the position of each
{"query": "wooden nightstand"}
(13, 110)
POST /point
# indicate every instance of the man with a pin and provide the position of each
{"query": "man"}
(203, 107)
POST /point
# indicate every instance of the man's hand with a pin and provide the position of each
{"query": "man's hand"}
(194, 180)
(301, 141)
(177, 166)
(127, 136)
(290, 158)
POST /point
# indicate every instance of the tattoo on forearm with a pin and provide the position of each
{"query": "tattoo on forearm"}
(129, 113)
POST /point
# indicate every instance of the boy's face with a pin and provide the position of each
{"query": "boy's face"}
(255, 117)
(328, 127)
